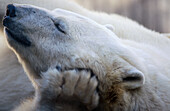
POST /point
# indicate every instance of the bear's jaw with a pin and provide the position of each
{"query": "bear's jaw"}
(14, 39)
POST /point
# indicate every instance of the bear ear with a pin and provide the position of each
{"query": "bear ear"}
(110, 27)
(133, 79)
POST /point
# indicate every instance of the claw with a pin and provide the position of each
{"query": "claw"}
(58, 68)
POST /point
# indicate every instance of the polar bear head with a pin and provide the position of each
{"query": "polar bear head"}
(65, 40)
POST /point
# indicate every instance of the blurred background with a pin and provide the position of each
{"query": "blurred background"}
(153, 14)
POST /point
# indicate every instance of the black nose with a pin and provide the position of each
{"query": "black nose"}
(10, 10)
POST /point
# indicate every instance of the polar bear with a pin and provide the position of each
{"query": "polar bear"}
(131, 75)
(12, 74)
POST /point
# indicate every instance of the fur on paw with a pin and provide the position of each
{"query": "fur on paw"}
(51, 83)
(71, 83)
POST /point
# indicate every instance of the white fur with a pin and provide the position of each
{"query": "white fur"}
(168, 35)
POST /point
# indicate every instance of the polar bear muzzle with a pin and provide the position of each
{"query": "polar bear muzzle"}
(10, 31)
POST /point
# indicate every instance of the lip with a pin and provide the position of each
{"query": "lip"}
(6, 20)
(19, 38)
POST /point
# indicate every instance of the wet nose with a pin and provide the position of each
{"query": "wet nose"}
(10, 10)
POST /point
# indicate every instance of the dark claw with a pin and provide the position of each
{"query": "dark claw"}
(92, 74)
(58, 68)
(76, 70)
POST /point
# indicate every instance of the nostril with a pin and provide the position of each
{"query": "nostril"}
(10, 10)
(7, 12)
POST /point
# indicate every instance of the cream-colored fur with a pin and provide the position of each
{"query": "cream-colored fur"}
(123, 27)
(132, 74)
(167, 35)
(72, 88)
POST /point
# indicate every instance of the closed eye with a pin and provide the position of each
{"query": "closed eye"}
(59, 27)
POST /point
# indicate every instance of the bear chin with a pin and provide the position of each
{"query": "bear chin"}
(20, 39)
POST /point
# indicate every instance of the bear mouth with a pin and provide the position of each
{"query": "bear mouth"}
(19, 38)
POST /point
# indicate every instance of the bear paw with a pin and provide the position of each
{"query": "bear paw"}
(70, 83)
